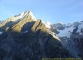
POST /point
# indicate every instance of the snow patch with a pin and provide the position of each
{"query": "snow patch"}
(47, 24)
(1, 33)
(25, 31)
(32, 16)
(22, 15)
(29, 13)
(66, 32)
(80, 27)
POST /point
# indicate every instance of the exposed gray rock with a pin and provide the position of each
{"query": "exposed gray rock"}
(75, 30)
(54, 29)
(76, 24)
(59, 26)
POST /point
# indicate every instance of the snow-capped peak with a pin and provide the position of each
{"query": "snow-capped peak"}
(21, 16)
(30, 13)
(47, 24)
(26, 13)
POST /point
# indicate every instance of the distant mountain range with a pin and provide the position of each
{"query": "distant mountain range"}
(22, 37)
(71, 36)
(1, 21)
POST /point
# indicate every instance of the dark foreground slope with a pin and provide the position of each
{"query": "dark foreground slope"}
(34, 44)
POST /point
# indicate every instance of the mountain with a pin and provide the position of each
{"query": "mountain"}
(23, 37)
(15, 19)
(71, 36)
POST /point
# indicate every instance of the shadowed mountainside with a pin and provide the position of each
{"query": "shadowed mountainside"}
(30, 42)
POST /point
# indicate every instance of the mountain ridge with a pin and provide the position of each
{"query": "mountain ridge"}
(32, 39)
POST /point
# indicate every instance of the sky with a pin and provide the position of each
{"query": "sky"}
(53, 11)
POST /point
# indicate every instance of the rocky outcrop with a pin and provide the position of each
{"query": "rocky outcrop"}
(75, 30)
(18, 27)
(52, 29)
(38, 25)
(8, 23)
(59, 26)
(76, 24)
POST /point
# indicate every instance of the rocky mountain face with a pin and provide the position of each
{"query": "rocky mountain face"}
(23, 38)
